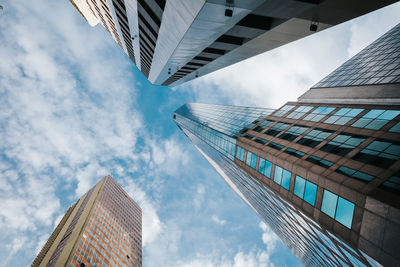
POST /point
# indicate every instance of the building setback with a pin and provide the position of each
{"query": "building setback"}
(322, 172)
(103, 228)
(174, 41)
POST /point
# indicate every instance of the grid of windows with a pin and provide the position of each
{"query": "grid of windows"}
(265, 167)
(354, 174)
(293, 132)
(376, 119)
(282, 177)
(343, 116)
(376, 64)
(283, 110)
(299, 112)
(318, 113)
(251, 160)
(305, 190)
(240, 153)
(277, 128)
(337, 208)
(343, 144)
(315, 137)
(380, 153)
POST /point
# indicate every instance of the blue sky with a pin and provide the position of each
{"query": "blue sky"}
(73, 108)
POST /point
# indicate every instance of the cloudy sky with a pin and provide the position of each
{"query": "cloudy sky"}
(73, 108)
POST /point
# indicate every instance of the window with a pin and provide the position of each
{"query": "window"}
(318, 113)
(321, 162)
(338, 208)
(376, 118)
(395, 128)
(260, 140)
(249, 136)
(282, 177)
(299, 112)
(305, 190)
(283, 110)
(277, 128)
(314, 138)
(265, 167)
(393, 183)
(354, 174)
(262, 125)
(294, 152)
(240, 153)
(343, 115)
(251, 160)
(380, 153)
(343, 144)
(293, 132)
(275, 146)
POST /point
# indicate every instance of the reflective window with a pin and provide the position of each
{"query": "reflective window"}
(380, 153)
(282, 177)
(318, 113)
(299, 112)
(393, 183)
(283, 110)
(293, 132)
(343, 115)
(265, 167)
(395, 128)
(315, 137)
(321, 162)
(249, 136)
(337, 208)
(305, 190)
(262, 125)
(294, 152)
(343, 144)
(354, 174)
(260, 140)
(251, 159)
(277, 128)
(376, 118)
(240, 153)
(275, 145)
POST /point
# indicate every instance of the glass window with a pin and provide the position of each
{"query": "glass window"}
(294, 152)
(276, 129)
(240, 153)
(329, 202)
(260, 140)
(293, 132)
(343, 144)
(299, 112)
(275, 145)
(376, 118)
(318, 113)
(305, 190)
(251, 160)
(395, 128)
(393, 183)
(265, 167)
(321, 162)
(282, 177)
(263, 125)
(283, 110)
(315, 137)
(354, 174)
(380, 153)
(344, 212)
(299, 186)
(343, 115)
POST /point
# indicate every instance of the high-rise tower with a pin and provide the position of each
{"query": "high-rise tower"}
(103, 228)
(174, 41)
(323, 172)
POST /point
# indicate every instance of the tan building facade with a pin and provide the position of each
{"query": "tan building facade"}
(103, 228)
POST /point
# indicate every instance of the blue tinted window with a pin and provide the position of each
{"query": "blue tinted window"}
(354, 174)
(395, 128)
(343, 115)
(343, 144)
(318, 113)
(277, 129)
(240, 153)
(299, 112)
(283, 110)
(344, 212)
(376, 118)
(329, 201)
(286, 179)
(293, 132)
(251, 160)
(381, 153)
(278, 174)
(265, 167)
(299, 186)
(315, 137)
(310, 193)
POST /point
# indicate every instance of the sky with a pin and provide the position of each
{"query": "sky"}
(74, 108)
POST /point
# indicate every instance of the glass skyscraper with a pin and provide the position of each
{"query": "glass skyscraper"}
(174, 41)
(103, 228)
(322, 172)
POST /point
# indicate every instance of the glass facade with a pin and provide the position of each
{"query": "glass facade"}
(378, 63)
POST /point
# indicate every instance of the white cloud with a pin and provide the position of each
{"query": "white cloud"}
(218, 220)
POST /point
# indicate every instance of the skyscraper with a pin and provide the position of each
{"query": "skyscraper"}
(103, 228)
(174, 41)
(322, 172)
